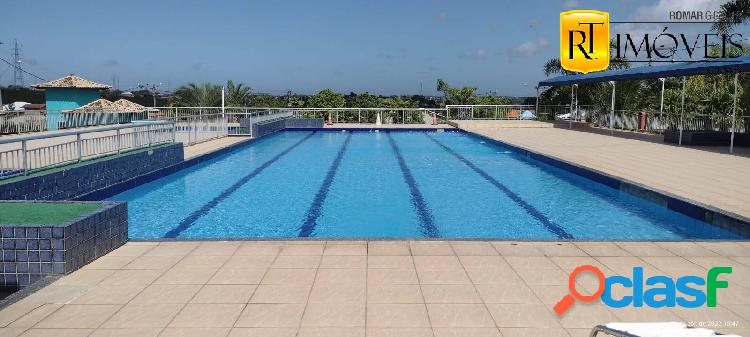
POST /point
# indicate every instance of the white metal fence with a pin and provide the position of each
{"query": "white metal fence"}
(337, 115)
(200, 128)
(21, 155)
(516, 111)
(20, 122)
(43, 120)
(658, 122)
(235, 120)
(463, 112)
(368, 115)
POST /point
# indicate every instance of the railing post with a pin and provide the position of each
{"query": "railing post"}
(118, 141)
(612, 111)
(682, 109)
(78, 145)
(148, 134)
(25, 158)
(195, 132)
(174, 132)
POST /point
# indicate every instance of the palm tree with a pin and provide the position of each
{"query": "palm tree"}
(553, 66)
(238, 95)
(205, 95)
(442, 86)
(732, 14)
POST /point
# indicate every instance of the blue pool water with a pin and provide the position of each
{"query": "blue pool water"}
(329, 184)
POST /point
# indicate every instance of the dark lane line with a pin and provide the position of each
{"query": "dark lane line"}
(313, 213)
(552, 227)
(425, 216)
(193, 217)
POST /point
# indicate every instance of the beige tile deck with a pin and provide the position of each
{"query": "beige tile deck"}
(706, 175)
(379, 288)
(211, 146)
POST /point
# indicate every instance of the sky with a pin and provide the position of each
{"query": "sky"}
(379, 46)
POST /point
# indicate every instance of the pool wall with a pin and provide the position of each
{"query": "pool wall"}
(73, 181)
(30, 252)
(268, 127)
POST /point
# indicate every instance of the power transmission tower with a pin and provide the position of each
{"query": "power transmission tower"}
(17, 71)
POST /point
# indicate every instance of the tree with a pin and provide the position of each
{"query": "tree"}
(490, 100)
(442, 86)
(205, 95)
(326, 98)
(365, 100)
(589, 94)
(297, 102)
(398, 102)
(237, 95)
(266, 101)
(732, 14)
(457, 96)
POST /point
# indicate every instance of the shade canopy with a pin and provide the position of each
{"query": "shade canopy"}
(712, 67)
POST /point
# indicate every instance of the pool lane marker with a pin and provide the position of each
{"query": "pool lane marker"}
(193, 217)
(551, 226)
(425, 216)
(313, 213)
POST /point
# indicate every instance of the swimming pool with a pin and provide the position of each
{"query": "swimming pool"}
(395, 184)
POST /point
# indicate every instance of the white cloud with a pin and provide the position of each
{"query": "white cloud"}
(568, 4)
(530, 47)
(478, 54)
(659, 12)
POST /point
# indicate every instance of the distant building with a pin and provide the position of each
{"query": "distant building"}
(68, 93)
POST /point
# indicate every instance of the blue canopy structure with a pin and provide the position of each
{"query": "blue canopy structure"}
(713, 67)
(706, 67)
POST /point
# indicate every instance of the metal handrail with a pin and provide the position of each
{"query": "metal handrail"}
(77, 132)
(196, 129)
(21, 161)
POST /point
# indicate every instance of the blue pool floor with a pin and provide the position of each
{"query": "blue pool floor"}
(417, 184)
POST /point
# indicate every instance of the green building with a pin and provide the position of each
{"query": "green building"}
(68, 93)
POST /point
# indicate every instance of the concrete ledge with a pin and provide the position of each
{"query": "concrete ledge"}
(31, 252)
(76, 180)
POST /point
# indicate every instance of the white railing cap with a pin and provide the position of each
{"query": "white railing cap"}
(80, 132)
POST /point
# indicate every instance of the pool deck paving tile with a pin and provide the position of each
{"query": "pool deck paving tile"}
(209, 146)
(397, 288)
(706, 175)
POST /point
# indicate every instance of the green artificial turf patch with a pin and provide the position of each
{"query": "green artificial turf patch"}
(42, 213)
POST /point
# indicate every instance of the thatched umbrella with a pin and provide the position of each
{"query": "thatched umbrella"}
(71, 81)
